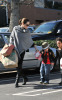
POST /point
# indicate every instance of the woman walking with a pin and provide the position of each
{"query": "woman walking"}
(21, 39)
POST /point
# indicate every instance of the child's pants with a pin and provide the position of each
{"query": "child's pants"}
(45, 72)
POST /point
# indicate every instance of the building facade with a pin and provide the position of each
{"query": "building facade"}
(42, 10)
(39, 11)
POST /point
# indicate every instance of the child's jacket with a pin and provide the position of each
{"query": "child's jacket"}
(45, 56)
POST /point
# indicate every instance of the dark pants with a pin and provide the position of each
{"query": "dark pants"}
(20, 71)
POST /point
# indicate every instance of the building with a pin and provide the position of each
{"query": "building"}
(39, 11)
(42, 10)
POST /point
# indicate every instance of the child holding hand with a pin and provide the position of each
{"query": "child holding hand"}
(47, 60)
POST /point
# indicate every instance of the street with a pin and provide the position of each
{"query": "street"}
(32, 90)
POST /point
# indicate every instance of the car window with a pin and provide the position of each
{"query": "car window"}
(2, 43)
(30, 30)
(7, 37)
(46, 27)
(4, 30)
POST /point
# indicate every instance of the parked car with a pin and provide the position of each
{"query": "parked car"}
(48, 30)
(29, 59)
(29, 62)
(32, 28)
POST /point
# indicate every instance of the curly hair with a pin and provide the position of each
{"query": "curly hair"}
(59, 39)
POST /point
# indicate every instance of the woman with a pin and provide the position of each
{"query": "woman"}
(59, 53)
(21, 38)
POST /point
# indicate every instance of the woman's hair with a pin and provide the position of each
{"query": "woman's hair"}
(59, 39)
(23, 20)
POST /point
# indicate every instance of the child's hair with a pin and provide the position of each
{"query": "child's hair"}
(23, 20)
(59, 39)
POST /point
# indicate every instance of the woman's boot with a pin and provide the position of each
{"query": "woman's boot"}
(25, 80)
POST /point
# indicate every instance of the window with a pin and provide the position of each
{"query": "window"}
(39, 3)
(2, 43)
(4, 30)
(7, 37)
(46, 27)
(53, 4)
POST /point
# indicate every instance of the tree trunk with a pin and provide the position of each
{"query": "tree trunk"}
(14, 18)
(15, 15)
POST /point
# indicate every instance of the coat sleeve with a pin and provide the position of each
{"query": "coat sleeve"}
(52, 56)
(12, 36)
(42, 53)
(56, 57)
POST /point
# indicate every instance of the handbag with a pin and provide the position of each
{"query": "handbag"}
(7, 50)
(10, 61)
(38, 55)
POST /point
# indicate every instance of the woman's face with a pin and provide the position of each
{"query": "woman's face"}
(59, 44)
(26, 25)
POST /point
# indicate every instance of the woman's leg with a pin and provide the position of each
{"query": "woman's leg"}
(20, 70)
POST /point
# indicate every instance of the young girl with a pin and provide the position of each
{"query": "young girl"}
(59, 52)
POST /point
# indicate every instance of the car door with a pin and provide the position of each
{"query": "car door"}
(2, 43)
(29, 60)
(4, 38)
(44, 36)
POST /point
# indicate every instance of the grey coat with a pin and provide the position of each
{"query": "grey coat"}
(21, 39)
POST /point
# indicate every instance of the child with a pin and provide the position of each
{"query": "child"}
(59, 53)
(48, 60)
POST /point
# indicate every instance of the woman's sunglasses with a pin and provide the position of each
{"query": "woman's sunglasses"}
(27, 24)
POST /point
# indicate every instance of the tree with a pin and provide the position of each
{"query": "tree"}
(15, 11)
(14, 14)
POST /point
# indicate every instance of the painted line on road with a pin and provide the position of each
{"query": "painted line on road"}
(27, 87)
(52, 92)
(30, 95)
(25, 93)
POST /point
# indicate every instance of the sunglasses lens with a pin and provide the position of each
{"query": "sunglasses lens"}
(27, 24)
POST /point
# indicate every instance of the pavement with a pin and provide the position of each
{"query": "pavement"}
(32, 90)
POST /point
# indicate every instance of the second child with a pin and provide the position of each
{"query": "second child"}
(59, 54)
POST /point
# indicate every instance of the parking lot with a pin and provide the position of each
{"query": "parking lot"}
(32, 90)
